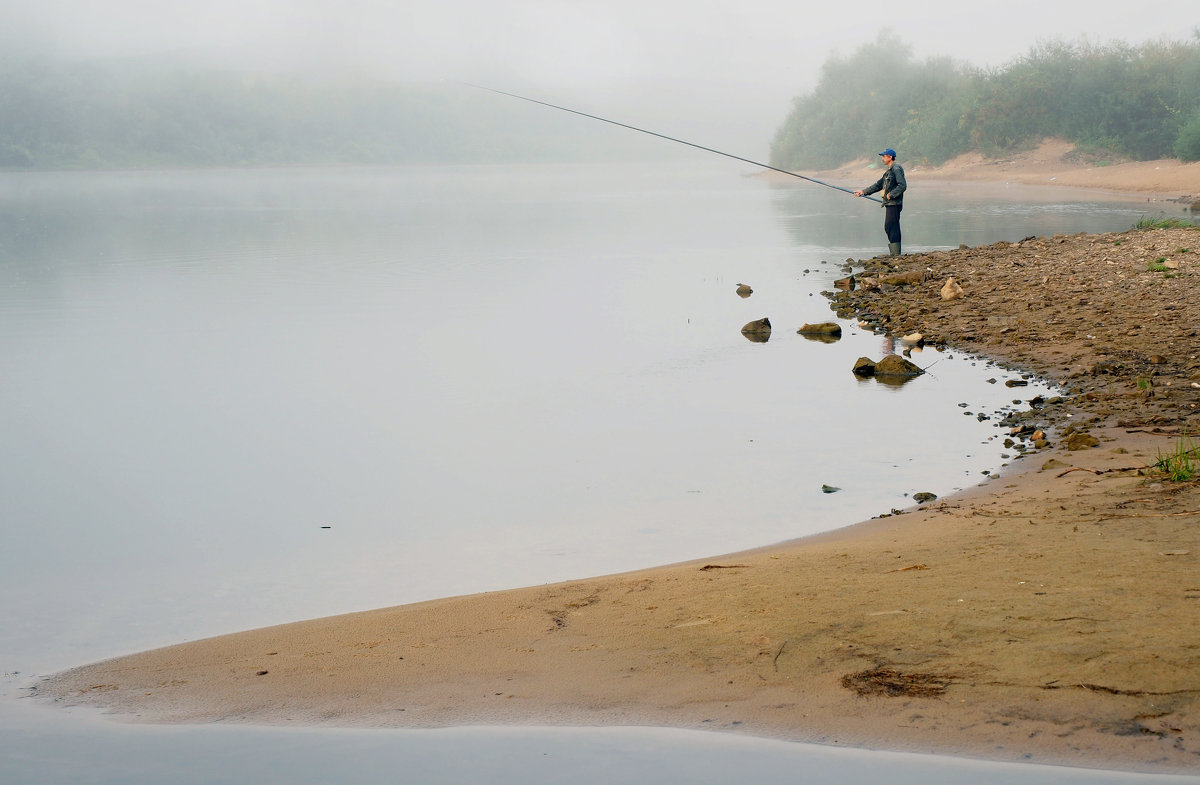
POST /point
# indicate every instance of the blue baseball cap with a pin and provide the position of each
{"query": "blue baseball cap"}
(890, 152)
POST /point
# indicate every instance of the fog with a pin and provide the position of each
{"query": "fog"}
(722, 71)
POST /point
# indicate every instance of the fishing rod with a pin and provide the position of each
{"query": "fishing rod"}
(668, 138)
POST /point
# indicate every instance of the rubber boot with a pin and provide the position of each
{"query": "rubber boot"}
(893, 249)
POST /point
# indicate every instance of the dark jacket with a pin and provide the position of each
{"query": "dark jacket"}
(892, 183)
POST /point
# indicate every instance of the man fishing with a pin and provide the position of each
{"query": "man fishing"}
(893, 186)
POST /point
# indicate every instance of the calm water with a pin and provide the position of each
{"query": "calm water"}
(232, 399)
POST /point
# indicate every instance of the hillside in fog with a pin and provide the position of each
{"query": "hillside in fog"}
(107, 114)
(1140, 102)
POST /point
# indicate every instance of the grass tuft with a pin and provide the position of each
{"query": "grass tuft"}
(1181, 464)
(1146, 222)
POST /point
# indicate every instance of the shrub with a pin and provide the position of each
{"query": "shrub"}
(1187, 144)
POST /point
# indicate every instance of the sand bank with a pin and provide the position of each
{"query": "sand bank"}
(1052, 163)
(1051, 615)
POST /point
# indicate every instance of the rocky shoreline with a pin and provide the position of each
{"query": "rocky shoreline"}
(1113, 318)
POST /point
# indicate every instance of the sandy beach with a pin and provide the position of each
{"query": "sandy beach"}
(1051, 614)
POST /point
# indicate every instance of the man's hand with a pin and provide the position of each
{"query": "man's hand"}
(858, 193)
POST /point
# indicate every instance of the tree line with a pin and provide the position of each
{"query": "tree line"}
(1138, 102)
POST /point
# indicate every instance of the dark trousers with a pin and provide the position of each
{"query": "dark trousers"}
(891, 221)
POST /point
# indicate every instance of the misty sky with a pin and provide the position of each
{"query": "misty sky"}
(700, 58)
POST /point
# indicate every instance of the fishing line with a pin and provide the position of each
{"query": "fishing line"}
(668, 138)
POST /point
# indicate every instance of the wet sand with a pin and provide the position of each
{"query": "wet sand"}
(1052, 614)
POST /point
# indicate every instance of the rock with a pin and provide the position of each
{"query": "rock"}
(951, 290)
(846, 283)
(924, 496)
(829, 489)
(832, 329)
(912, 339)
(864, 366)
(895, 365)
(903, 279)
(1017, 383)
(758, 331)
(1081, 441)
(744, 291)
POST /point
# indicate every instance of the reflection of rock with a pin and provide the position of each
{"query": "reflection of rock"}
(826, 332)
(951, 290)
(744, 291)
(758, 331)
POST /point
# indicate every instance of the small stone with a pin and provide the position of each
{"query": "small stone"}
(864, 366)
(903, 279)
(951, 290)
(822, 328)
(757, 326)
(758, 331)
(829, 489)
(1081, 441)
(895, 365)
(924, 496)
